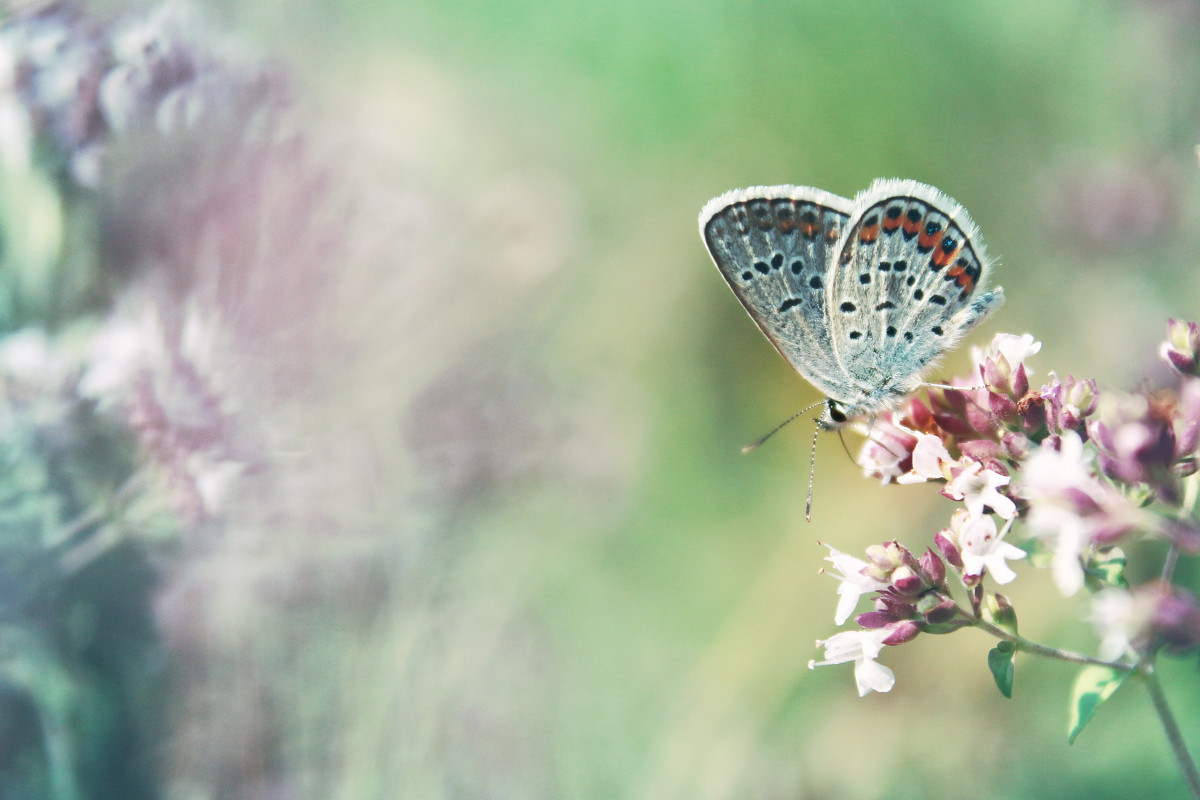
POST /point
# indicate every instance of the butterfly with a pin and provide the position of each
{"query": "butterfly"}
(860, 296)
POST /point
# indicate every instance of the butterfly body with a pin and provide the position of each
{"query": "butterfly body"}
(860, 296)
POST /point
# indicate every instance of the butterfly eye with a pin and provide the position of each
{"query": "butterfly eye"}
(835, 411)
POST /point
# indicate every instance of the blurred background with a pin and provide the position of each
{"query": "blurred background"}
(373, 408)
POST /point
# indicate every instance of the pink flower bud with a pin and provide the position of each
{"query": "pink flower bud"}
(948, 549)
(1181, 347)
(903, 632)
(941, 613)
(876, 619)
(933, 569)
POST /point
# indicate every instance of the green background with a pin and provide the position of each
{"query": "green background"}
(586, 591)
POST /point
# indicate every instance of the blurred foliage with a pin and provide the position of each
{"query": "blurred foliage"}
(31, 215)
(446, 399)
(80, 669)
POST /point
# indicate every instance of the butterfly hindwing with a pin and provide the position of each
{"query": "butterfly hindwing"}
(907, 284)
(774, 246)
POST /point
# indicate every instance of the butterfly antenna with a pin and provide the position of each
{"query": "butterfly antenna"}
(812, 472)
(780, 427)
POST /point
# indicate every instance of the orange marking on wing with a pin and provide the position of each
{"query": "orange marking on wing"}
(869, 233)
(928, 240)
(941, 258)
(961, 277)
(890, 224)
(911, 226)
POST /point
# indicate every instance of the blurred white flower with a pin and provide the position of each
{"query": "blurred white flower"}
(28, 356)
(127, 344)
(214, 479)
(1118, 618)
(1071, 509)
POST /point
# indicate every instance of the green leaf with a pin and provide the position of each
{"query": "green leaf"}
(1107, 568)
(1002, 663)
(1093, 686)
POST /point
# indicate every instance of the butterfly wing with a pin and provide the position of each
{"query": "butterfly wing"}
(773, 245)
(907, 285)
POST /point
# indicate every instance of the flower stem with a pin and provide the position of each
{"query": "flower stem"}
(1187, 509)
(1168, 567)
(1146, 670)
(1028, 646)
(1182, 757)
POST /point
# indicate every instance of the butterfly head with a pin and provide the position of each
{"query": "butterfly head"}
(870, 403)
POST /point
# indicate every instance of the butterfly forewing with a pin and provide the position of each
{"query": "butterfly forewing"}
(774, 247)
(906, 286)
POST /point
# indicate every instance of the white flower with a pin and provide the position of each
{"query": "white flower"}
(1012, 348)
(861, 647)
(928, 457)
(984, 549)
(977, 487)
(854, 583)
(1015, 349)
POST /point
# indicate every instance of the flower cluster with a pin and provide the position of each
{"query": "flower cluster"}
(1078, 471)
(165, 387)
(77, 85)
